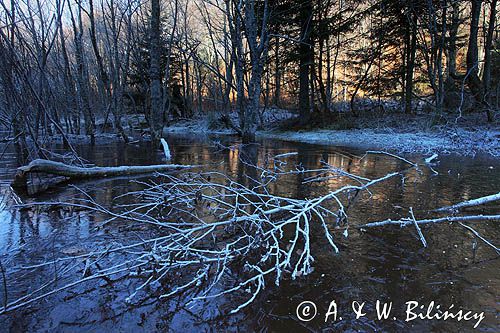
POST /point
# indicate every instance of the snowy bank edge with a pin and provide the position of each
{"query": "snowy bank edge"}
(420, 142)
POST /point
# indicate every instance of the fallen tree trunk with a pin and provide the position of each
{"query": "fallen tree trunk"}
(74, 172)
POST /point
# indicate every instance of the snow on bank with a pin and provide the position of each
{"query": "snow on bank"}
(397, 133)
(81, 139)
(445, 140)
(460, 141)
(196, 126)
(269, 119)
(398, 137)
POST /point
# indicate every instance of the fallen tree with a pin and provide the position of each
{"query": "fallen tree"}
(218, 235)
(212, 227)
(75, 172)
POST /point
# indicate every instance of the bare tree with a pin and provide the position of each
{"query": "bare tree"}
(155, 118)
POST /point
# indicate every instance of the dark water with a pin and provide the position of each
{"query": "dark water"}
(386, 264)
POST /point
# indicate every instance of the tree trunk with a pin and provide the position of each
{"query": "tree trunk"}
(258, 46)
(306, 60)
(156, 119)
(82, 78)
(410, 61)
(487, 55)
(452, 44)
(277, 75)
(473, 80)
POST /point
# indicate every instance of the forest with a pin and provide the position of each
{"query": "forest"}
(83, 67)
(256, 165)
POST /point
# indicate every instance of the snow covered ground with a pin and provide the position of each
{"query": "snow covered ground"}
(460, 141)
(197, 125)
(396, 133)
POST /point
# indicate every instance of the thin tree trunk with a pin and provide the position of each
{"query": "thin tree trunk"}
(306, 60)
(82, 77)
(473, 80)
(410, 61)
(156, 119)
(487, 53)
(277, 75)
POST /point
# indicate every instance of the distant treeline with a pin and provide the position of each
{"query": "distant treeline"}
(69, 64)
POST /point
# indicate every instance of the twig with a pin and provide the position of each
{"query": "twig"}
(392, 155)
(497, 250)
(420, 234)
(431, 158)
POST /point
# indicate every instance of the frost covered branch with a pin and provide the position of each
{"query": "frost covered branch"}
(470, 203)
(450, 219)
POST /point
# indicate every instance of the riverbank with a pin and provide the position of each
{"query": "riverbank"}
(467, 136)
(398, 133)
(458, 141)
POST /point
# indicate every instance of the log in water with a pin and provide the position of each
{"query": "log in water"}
(74, 172)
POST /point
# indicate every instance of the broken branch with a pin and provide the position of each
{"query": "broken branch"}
(470, 203)
(404, 222)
